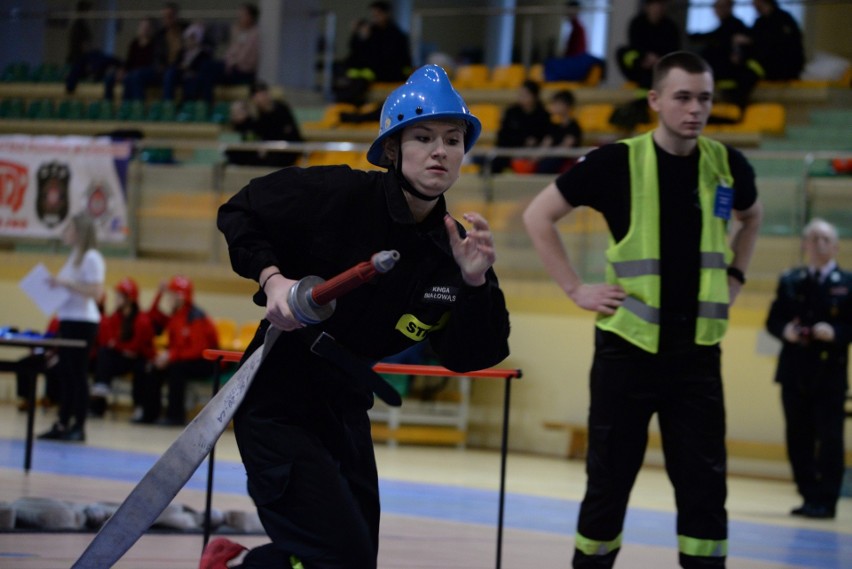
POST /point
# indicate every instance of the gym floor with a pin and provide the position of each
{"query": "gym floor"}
(439, 506)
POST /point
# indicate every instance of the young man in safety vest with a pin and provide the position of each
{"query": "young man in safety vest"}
(671, 275)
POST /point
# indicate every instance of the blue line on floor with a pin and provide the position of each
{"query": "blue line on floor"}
(795, 547)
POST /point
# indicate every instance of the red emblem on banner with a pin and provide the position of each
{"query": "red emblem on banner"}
(13, 185)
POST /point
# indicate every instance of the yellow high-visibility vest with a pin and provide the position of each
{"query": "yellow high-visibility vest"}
(634, 262)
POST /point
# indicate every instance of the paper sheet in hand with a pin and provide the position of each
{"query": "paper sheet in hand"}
(36, 285)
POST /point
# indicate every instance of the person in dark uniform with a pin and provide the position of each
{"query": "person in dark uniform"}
(812, 316)
(775, 43)
(650, 35)
(303, 430)
(722, 48)
(671, 275)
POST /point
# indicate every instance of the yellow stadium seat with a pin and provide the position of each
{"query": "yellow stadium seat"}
(594, 77)
(766, 118)
(244, 336)
(489, 115)
(331, 116)
(595, 117)
(728, 111)
(471, 76)
(226, 329)
(508, 76)
(537, 72)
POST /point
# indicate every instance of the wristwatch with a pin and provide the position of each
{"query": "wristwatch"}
(737, 274)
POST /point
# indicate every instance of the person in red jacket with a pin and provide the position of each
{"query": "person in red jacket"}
(125, 345)
(190, 332)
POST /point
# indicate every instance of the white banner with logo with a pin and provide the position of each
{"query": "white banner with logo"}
(45, 180)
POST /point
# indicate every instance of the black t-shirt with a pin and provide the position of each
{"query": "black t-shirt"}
(559, 132)
(602, 181)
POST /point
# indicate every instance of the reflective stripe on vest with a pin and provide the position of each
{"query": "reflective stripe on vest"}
(594, 547)
(695, 547)
(634, 261)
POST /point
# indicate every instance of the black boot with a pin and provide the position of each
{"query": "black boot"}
(56, 433)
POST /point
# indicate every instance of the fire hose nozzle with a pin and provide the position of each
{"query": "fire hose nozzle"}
(312, 299)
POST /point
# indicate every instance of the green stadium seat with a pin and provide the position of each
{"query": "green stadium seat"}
(47, 73)
(221, 112)
(161, 111)
(16, 72)
(100, 111)
(12, 109)
(41, 109)
(71, 109)
(131, 111)
(193, 111)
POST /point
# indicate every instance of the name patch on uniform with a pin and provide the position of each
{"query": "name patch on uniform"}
(415, 329)
(441, 294)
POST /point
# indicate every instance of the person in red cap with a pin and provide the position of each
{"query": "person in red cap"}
(190, 332)
(126, 345)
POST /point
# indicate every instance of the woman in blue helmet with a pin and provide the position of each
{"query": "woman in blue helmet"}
(303, 430)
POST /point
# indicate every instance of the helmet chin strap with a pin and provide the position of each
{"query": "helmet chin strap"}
(405, 184)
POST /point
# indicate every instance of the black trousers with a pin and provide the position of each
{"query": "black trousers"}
(175, 375)
(814, 415)
(319, 504)
(111, 363)
(73, 368)
(684, 388)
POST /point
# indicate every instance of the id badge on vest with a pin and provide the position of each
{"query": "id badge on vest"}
(724, 202)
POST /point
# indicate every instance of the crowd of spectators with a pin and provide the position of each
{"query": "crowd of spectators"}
(176, 55)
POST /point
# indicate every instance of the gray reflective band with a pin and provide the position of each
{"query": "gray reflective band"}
(713, 261)
(713, 310)
(642, 310)
(636, 268)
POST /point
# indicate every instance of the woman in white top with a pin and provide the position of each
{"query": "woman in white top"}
(79, 317)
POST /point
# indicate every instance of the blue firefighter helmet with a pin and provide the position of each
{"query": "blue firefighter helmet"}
(426, 95)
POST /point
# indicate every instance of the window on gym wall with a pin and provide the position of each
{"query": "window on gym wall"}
(701, 18)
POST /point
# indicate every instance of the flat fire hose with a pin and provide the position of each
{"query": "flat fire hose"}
(310, 304)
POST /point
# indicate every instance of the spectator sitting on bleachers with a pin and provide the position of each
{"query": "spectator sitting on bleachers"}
(524, 124)
(651, 35)
(125, 345)
(735, 79)
(576, 43)
(194, 57)
(242, 57)
(263, 118)
(168, 43)
(140, 55)
(384, 47)
(190, 332)
(775, 42)
(574, 62)
(564, 132)
(86, 60)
